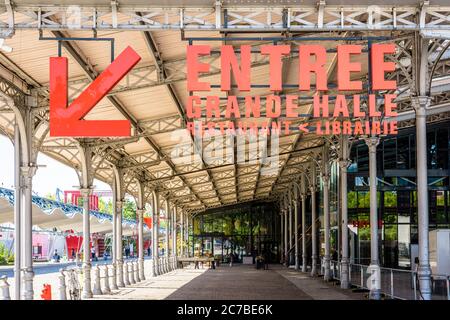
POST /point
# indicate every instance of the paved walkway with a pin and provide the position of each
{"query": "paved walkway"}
(241, 282)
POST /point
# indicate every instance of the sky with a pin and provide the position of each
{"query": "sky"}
(47, 179)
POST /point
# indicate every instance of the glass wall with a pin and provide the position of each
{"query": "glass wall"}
(242, 231)
(397, 196)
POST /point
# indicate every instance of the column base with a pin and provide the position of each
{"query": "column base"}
(87, 292)
(154, 268)
(424, 277)
(314, 272)
(345, 281)
(304, 262)
(28, 275)
(120, 282)
(373, 282)
(327, 269)
(114, 278)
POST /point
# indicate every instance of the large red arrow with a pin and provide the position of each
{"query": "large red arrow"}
(68, 121)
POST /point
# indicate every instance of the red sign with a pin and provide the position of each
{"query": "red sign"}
(364, 223)
(148, 222)
(67, 121)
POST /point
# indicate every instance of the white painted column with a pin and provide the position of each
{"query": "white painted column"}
(312, 188)
(182, 239)
(17, 215)
(424, 271)
(175, 238)
(155, 235)
(326, 212)
(374, 268)
(297, 262)
(286, 258)
(166, 244)
(85, 193)
(291, 228)
(119, 248)
(140, 214)
(114, 236)
(343, 164)
(281, 236)
(303, 196)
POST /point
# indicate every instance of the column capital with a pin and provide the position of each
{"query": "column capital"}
(421, 104)
(372, 142)
(344, 163)
(140, 212)
(119, 204)
(312, 188)
(28, 171)
(86, 192)
(325, 177)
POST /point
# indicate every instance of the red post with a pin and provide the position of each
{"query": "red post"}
(46, 292)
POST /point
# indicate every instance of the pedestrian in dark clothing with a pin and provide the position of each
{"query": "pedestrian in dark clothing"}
(266, 259)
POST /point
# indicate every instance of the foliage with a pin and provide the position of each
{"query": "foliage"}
(129, 209)
(105, 207)
(50, 196)
(5, 256)
(390, 199)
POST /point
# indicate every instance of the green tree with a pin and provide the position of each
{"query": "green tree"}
(129, 209)
(105, 206)
(50, 196)
(5, 256)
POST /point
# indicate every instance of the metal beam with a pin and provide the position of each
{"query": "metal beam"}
(92, 74)
(156, 55)
(229, 17)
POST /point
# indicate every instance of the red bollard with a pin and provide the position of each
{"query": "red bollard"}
(47, 292)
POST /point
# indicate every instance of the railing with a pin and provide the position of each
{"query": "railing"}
(394, 283)
(49, 205)
(300, 236)
(71, 279)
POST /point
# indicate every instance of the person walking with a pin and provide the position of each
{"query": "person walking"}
(266, 257)
(93, 253)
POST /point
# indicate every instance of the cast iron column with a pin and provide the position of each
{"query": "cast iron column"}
(286, 262)
(424, 272)
(374, 268)
(326, 213)
(182, 234)
(291, 228)
(313, 221)
(343, 164)
(304, 253)
(85, 194)
(119, 249)
(166, 245)
(155, 235)
(297, 263)
(174, 240)
(140, 213)
(17, 215)
(281, 235)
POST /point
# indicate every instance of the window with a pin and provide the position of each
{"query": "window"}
(363, 157)
(390, 199)
(390, 154)
(442, 148)
(403, 153)
(403, 200)
(363, 199)
(432, 150)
